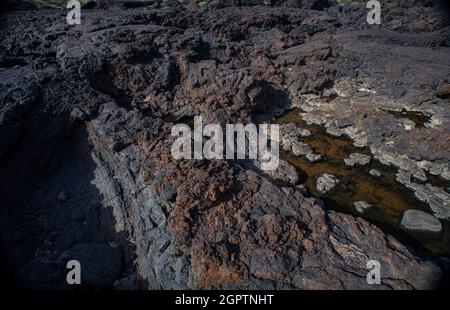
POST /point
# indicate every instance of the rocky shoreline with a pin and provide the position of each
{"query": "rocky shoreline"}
(85, 119)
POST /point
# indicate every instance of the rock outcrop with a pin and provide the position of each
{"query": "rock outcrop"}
(126, 76)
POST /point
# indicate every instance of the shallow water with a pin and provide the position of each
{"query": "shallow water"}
(388, 197)
(418, 118)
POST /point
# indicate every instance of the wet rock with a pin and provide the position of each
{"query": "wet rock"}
(334, 131)
(292, 130)
(290, 141)
(313, 157)
(357, 159)
(362, 206)
(437, 198)
(400, 161)
(313, 119)
(375, 173)
(419, 221)
(100, 264)
(301, 148)
(439, 168)
(357, 135)
(403, 177)
(326, 182)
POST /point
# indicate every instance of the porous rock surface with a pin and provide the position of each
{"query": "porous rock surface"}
(326, 182)
(127, 75)
(357, 159)
(362, 206)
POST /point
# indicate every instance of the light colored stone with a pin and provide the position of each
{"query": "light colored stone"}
(326, 182)
(313, 157)
(419, 221)
(357, 159)
(375, 173)
(362, 206)
(400, 161)
(437, 198)
(301, 148)
(334, 131)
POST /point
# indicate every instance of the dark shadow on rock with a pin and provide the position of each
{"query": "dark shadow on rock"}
(53, 211)
(267, 102)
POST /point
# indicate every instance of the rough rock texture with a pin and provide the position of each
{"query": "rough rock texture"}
(362, 206)
(127, 75)
(285, 172)
(326, 182)
(291, 135)
(437, 198)
(375, 173)
(357, 159)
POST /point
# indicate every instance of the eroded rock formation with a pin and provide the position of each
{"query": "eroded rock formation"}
(124, 77)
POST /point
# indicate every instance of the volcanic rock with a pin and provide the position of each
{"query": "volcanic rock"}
(357, 159)
(285, 172)
(375, 173)
(124, 77)
(362, 206)
(419, 221)
(326, 182)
